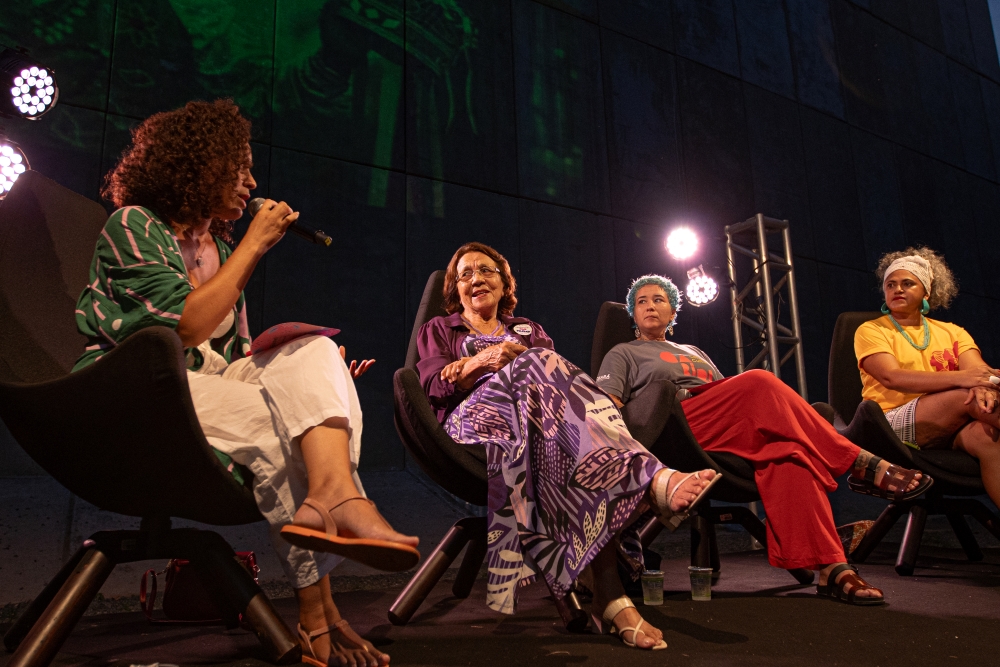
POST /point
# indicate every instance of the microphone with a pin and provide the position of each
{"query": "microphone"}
(317, 236)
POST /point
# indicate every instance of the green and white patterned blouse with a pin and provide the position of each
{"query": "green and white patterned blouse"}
(138, 280)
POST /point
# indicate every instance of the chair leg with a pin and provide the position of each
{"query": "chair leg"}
(61, 615)
(574, 618)
(906, 560)
(432, 570)
(965, 537)
(701, 541)
(886, 520)
(650, 531)
(988, 519)
(471, 562)
(22, 626)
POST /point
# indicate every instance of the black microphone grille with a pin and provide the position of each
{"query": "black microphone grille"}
(253, 206)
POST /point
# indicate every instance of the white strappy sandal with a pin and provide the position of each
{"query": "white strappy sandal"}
(614, 608)
(662, 498)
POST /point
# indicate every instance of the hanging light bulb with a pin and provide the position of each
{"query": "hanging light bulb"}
(701, 288)
(27, 89)
(681, 243)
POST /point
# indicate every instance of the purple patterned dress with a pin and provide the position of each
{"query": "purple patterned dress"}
(564, 474)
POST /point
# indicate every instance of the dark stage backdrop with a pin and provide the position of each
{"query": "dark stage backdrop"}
(569, 134)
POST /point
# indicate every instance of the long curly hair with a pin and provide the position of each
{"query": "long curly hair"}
(181, 162)
(453, 302)
(666, 284)
(944, 286)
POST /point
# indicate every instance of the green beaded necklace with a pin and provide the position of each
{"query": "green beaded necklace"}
(927, 333)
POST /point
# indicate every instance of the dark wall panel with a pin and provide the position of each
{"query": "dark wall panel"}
(440, 217)
(878, 196)
(777, 162)
(810, 36)
(567, 272)
(765, 59)
(858, 35)
(957, 35)
(355, 285)
(939, 116)
(65, 145)
(714, 142)
(339, 80)
(705, 31)
(833, 198)
(460, 96)
(643, 147)
(562, 148)
(650, 21)
(972, 123)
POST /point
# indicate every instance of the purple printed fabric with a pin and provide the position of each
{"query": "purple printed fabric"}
(564, 474)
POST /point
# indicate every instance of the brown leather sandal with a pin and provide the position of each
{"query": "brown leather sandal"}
(307, 638)
(893, 484)
(836, 590)
(379, 554)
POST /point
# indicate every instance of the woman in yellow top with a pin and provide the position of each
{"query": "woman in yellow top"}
(929, 376)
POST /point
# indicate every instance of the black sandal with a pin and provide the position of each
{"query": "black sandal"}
(835, 590)
(893, 484)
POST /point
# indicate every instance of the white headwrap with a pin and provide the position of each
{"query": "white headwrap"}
(916, 265)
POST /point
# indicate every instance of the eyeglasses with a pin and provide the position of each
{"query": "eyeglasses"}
(487, 272)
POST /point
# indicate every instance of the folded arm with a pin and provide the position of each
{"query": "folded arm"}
(973, 372)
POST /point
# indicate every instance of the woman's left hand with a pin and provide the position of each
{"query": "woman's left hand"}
(984, 397)
(453, 371)
(356, 369)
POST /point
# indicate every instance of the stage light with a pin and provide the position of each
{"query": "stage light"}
(682, 243)
(701, 289)
(33, 88)
(13, 163)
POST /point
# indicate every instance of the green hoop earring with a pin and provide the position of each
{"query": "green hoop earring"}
(885, 308)
(925, 307)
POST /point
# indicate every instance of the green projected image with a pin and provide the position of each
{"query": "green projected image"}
(423, 86)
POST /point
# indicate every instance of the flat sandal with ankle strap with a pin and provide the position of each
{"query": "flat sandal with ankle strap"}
(614, 608)
(836, 590)
(662, 498)
(893, 484)
(307, 638)
(379, 554)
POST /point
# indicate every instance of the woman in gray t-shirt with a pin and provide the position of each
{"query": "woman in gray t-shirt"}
(796, 454)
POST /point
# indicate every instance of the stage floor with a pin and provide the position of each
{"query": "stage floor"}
(947, 613)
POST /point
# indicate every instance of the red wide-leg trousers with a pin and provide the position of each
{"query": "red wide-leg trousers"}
(796, 456)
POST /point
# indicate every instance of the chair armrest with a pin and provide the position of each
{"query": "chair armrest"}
(123, 434)
(825, 411)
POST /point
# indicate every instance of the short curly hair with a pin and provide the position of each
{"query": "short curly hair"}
(666, 284)
(453, 302)
(180, 163)
(944, 286)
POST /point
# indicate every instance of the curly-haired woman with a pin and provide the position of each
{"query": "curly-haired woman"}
(927, 375)
(290, 414)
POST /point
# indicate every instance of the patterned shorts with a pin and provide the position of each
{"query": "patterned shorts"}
(903, 421)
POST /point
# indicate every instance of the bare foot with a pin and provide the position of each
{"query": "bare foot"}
(688, 491)
(824, 577)
(359, 518)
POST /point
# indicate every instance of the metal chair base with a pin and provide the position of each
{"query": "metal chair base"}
(956, 509)
(42, 629)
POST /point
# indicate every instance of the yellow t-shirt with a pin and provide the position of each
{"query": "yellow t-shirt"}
(948, 342)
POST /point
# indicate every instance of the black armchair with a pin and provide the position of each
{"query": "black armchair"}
(655, 419)
(121, 434)
(955, 473)
(458, 469)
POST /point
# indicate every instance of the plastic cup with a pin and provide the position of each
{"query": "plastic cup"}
(701, 583)
(652, 588)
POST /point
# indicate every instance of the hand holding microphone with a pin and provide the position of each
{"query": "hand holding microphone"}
(315, 235)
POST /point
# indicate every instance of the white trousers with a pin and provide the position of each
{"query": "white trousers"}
(256, 409)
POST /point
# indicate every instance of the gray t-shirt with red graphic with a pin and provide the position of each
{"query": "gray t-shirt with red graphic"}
(629, 367)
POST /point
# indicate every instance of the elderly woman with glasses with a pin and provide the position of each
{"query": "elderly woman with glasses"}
(796, 454)
(927, 375)
(566, 480)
